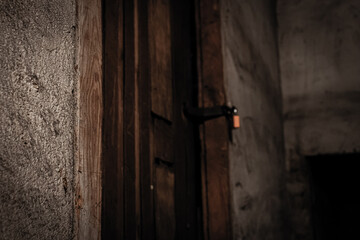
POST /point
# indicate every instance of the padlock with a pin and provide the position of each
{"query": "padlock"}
(235, 118)
(236, 121)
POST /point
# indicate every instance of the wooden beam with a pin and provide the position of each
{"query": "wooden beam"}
(214, 133)
(89, 124)
(113, 135)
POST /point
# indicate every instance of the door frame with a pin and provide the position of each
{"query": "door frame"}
(88, 124)
(94, 109)
(214, 134)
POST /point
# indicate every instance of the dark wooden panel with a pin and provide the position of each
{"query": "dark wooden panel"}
(187, 163)
(129, 122)
(164, 203)
(113, 152)
(137, 123)
(162, 199)
(214, 133)
(163, 139)
(217, 178)
(160, 57)
(146, 160)
(89, 126)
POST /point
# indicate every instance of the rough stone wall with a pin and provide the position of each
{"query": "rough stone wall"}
(319, 45)
(253, 85)
(37, 109)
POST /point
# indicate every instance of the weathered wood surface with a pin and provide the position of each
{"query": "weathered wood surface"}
(163, 140)
(161, 130)
(186, 159)
(137, 123)
(214, 133)
(146, 178)
(129, 122)
(160, 57)
(89, 125)
(164, 203)
(113, 136)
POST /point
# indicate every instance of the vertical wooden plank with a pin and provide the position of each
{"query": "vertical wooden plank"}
(147, 199)
(186, 163)
(204, 190)
(160, 58)
(129, 122)
(137, 124)
(215, 162)
(89, 125)
(113, 136)
(164, 203)
(161, 151)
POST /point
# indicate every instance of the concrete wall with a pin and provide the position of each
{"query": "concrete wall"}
(319, 45)
(253, 85)
(37, 109)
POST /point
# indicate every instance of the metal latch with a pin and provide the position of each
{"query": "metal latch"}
(201, 115)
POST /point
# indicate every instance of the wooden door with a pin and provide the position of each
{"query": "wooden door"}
(156, 181)
(180, 48)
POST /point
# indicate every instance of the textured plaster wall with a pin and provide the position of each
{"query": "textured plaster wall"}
(37, 109)
(319, 45)
(253, 85)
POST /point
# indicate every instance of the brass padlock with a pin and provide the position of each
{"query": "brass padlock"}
(235, 118)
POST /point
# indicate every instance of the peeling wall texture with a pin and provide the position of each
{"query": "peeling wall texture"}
(37, 110)
(253, 85)
(319, 45)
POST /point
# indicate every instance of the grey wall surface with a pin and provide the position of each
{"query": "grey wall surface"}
(319, 45)
(37, 109)
(253, 85)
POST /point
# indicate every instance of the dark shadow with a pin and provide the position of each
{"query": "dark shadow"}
(335, 198)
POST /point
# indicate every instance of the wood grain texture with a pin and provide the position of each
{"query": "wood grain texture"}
(129, 122)
(164, 203)
(137, 124)
(146, 178)
(113, 137)
(214, 133)
(163, 140)
(160, 58)
(185, 136)
(89, 126)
